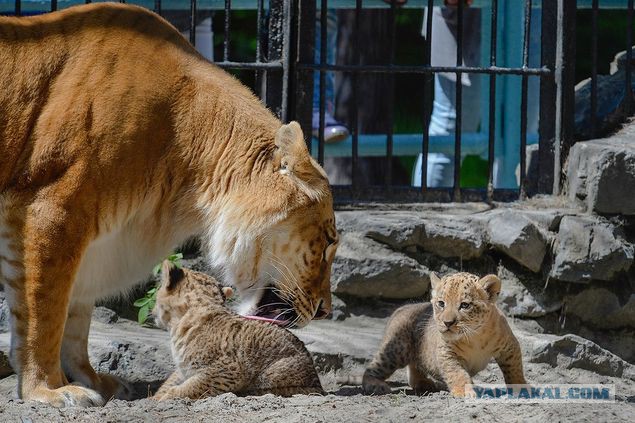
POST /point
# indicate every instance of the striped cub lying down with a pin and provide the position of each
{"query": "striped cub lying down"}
(217, 351)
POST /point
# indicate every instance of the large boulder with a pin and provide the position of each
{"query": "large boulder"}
(571, 351)
(589, 248)
(365, 268)
(602, 309)
(455, 236)
(519, 238)
(5, 367)
(601, 174)
(525, 297)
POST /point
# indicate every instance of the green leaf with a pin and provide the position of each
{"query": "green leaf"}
(156, 269)
(151, 304)
(141, 302)
(143, 314)
(152, 291)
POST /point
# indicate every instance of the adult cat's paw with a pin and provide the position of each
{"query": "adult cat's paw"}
(66, 396)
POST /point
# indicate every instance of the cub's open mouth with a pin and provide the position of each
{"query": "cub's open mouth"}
(273, 309)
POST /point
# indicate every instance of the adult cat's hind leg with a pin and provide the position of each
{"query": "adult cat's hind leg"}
(221, 377)
(75, 362)
(288, 376)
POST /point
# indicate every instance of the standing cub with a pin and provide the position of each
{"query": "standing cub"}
(448, 340)
(218, 351)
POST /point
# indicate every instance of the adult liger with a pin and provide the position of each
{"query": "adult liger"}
(118, 141)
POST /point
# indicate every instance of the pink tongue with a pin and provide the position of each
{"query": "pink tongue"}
(268, 320)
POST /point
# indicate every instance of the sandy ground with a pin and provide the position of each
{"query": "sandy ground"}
(330, 408)
(340, 350)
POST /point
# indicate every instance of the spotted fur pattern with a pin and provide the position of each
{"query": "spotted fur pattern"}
(217, 351)
(447, 341)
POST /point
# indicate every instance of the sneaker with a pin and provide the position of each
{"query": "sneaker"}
(334, 131)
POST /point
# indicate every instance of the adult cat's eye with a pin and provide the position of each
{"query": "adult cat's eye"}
(464, 306)
(441, 304)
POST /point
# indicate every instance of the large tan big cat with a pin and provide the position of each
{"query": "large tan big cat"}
(217, 351)
(447, 341)
(118, 141)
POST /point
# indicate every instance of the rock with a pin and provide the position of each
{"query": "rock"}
(4, 313)
(571, 351)
(338, 307)
(446, 235)
(455, 237)
(601, 172)
(519, 238)
(5, 367)
(365, 268)
(104, 315)
(611, 93)
(589, 249)
(601, 308)
(525, 298)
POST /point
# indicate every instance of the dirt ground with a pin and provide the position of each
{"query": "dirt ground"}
(331, 408)
(340, 350)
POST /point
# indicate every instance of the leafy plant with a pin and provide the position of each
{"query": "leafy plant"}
(147, 302)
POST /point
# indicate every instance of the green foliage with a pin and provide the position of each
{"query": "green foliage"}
(147, 302)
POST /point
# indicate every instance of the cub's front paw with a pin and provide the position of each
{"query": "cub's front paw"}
(463, 392)
(374, 386)
(66, 396)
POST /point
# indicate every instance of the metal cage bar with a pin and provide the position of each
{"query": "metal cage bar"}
(523, 104)
(459, 104)
(491, 139)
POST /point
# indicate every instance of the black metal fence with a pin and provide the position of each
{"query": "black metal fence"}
(285, 65)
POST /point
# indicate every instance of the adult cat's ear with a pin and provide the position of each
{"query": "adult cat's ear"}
(171, 274)
(492, 286)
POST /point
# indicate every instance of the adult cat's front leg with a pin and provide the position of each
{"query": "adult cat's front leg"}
(74, 356)
(52, 244)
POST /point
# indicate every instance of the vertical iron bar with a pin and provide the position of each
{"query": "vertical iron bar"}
(53, 5)
(355, 123)
(273, 79)
(286, 61)
(18, 7)
(492, 103)
(391, 93)
(459, 105)
(594, 67)
(523, 104)
(547, 119)
(323, 25)
(304, 78)
(259, 35)
(157, 6)
(193, 22)
(565, 82)
(228, 5)
(428, 79)
(628, 106)
(259, 31)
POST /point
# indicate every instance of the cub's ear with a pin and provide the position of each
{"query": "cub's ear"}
(170, 274)
(434, 281)
(291, 146)
(492, 285)
(228, 292)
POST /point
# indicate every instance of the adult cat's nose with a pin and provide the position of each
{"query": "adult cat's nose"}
(449, 323)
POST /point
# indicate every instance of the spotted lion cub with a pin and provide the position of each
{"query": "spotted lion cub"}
(449, 340)
(218, 351)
